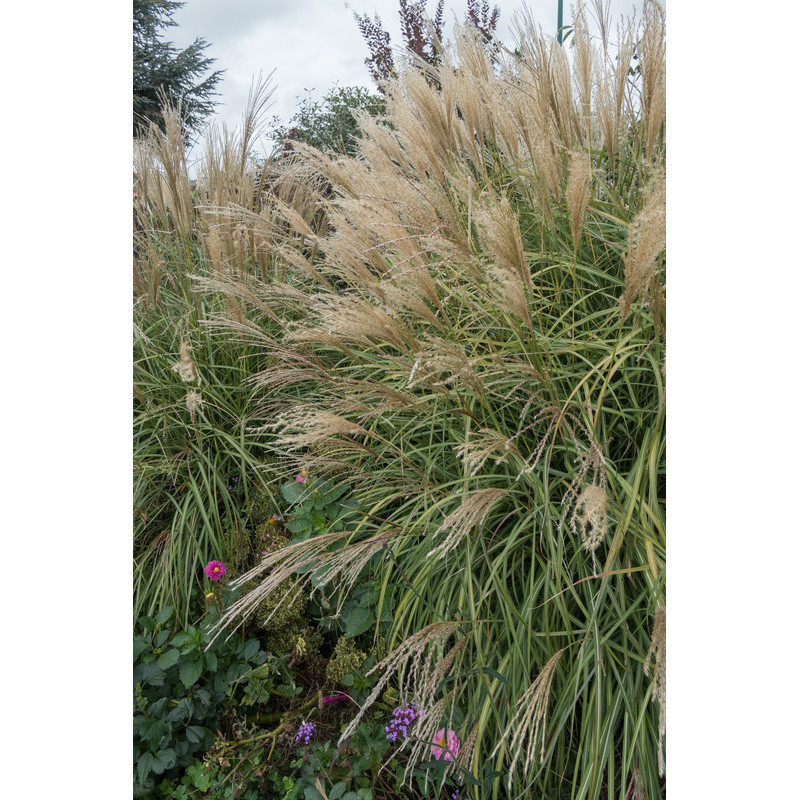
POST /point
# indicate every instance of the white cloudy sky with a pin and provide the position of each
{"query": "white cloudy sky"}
(312, 44)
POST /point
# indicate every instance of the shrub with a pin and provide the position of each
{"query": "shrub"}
(180, 688)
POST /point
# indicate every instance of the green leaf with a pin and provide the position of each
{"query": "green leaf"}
(358, 621)
(211, 661)
(139, 646)
(181, 639)
(164, 615)
(167, 757)
(195, 733)
(294, 492)
(249, 649)
(351, 796)
(160, 638)
(319, 520)
(145, 765)
(168, 659)
(190, 671)
(149, 674)
(300, 524)
(337, 791)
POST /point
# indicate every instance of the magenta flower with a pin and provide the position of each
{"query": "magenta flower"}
(215, 570)
(445, 741)
(303, 477)
(334, 698)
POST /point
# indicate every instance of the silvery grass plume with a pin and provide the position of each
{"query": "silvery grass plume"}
(194, 401)
(588, 520)
(648, 236)
(658, 652)
(420, 664)
(470, 514)
(527, 728)
(277, 567)
(185, 366)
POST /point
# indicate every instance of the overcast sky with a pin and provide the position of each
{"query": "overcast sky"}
(314, 44)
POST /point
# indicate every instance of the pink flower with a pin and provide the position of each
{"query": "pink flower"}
(445, 741)
(215, 570)
(303, 477)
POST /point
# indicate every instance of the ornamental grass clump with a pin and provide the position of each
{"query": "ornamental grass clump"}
(475, 343)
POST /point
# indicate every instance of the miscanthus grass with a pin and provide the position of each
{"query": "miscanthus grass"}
(468, 325)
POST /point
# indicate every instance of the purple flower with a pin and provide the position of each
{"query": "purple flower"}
(215, 570)
(275, 519)
(304, 732)
(402, 717)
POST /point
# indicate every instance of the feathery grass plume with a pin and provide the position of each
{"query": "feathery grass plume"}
(658, 651)
(579, 188)
(280, 565)
(646, 241)
(613, 91)
(165, 186)
(194, 400)
(444, 364)
(470, 514)
(404, 661)
(588, 519)
(314, 426)
(652, 52)
(354, 320)
(185, 367)
(485, 443)
(499, 229)
(585, 58)
(572, 130)
(528, 725)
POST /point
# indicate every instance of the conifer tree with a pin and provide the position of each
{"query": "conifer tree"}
(163, 71)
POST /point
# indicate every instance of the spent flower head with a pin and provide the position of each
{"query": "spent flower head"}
(215, 570)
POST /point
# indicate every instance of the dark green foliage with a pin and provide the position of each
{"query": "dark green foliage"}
(319, 507)
(163, 72)
(179, 691)
(329, 124)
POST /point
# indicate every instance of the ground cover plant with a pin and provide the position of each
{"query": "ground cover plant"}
(464, 336)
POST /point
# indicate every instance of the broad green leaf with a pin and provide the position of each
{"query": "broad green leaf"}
(164, 614)
(294, 492)
(300, 524)
(357, 621)
(190, 672)
(337, 791)
(168, 659)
